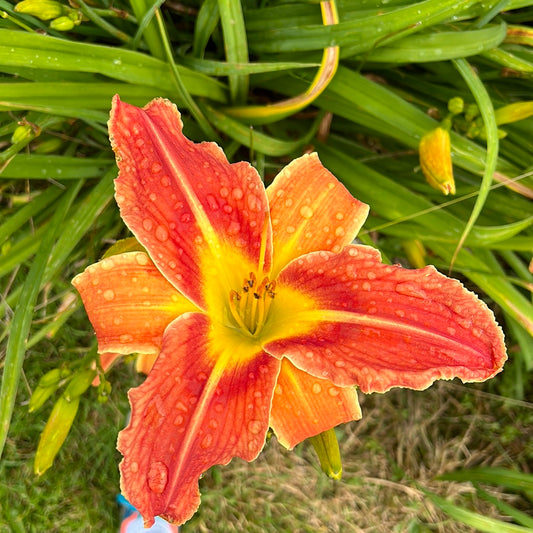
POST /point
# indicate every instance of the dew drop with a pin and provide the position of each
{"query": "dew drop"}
(148, 224)
(234, 228)
(332, 391)
(366, 286)
(288, 202)
(142, 259)
(371, 275)
(213, 424)
(290, 229)
(410, 289)
(207, 441)
(126, 338)
(212, 202)
(107, 264)
(237, 193)
(109, 295)
(161, 233)
(165, 181)
(339, 216)
(178, 421)
(156, 167)
(157, 477)
(152, 196)
(317, 389)
(134, 467)
(224, 192)
(306, 212)
(254, 426)
(339, 232)
(309, 354)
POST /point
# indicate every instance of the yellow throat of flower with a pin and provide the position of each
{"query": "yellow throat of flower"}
(249, 306)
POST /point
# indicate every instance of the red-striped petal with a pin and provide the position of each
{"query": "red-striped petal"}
(197, 216)
(304, 406)
(206, 400)
(311, 210)
(380, 326)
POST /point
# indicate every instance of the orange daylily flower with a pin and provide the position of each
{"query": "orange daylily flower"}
(261, 310)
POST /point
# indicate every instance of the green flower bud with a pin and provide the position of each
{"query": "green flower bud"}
(456, 105)
(79, 383)
(62, 24)
(22, 133)
(327, 448)
(55, 433)
(472, 111)
(42, 9)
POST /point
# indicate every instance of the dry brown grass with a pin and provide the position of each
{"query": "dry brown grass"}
(403, 442)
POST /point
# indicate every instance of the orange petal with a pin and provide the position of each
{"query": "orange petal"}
(199, 406)
(311, 210)
(185, 203)
(129, 303)
(304, 405)
(381, 326)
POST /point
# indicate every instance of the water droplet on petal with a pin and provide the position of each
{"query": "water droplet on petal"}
(165, 181)
(142, 259)
(237, 193)
(411, 289)
(148, 224)
(306, 211)
(157, 477)
(234, 227)
(254, 426)
(134, 467)
(339, 232)
(317, 389)
(290, 229)
(152, 196)
(332, 391)
(161, 233)
(207, 441)
(156, 167)
(126, 338)
(109, 295)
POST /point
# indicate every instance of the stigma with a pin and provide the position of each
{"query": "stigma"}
(249, 306)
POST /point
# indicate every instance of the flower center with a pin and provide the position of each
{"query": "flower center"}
(249, 306)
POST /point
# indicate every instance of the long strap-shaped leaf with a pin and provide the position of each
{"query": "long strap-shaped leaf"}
(20, 326)
(487, 112)
(328, 68)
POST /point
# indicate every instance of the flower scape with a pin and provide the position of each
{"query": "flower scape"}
(257, 308)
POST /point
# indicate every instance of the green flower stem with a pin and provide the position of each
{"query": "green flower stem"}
(92, 15)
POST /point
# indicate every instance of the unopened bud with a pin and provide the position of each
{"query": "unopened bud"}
(327, 448)
(42, 9)
(79, 383)
(63, 24)
(513, 112)
(54, 433)
(47, 385)
(436, 160)
(456, 105)
(471, 112)
(22, 133)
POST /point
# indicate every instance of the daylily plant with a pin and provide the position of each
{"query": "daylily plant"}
(261, 311)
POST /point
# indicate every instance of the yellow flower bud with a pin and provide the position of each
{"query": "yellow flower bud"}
(436, 160)
(513, 112)
(42, 9)
(327, 448)
(54, 433)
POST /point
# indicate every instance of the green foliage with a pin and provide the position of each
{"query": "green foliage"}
(401, 64)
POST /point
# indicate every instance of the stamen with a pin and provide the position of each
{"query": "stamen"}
(251, 311)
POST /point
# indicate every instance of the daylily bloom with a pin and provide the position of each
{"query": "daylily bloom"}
(262, 312)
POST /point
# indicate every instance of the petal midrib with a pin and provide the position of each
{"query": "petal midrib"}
(332, 316)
